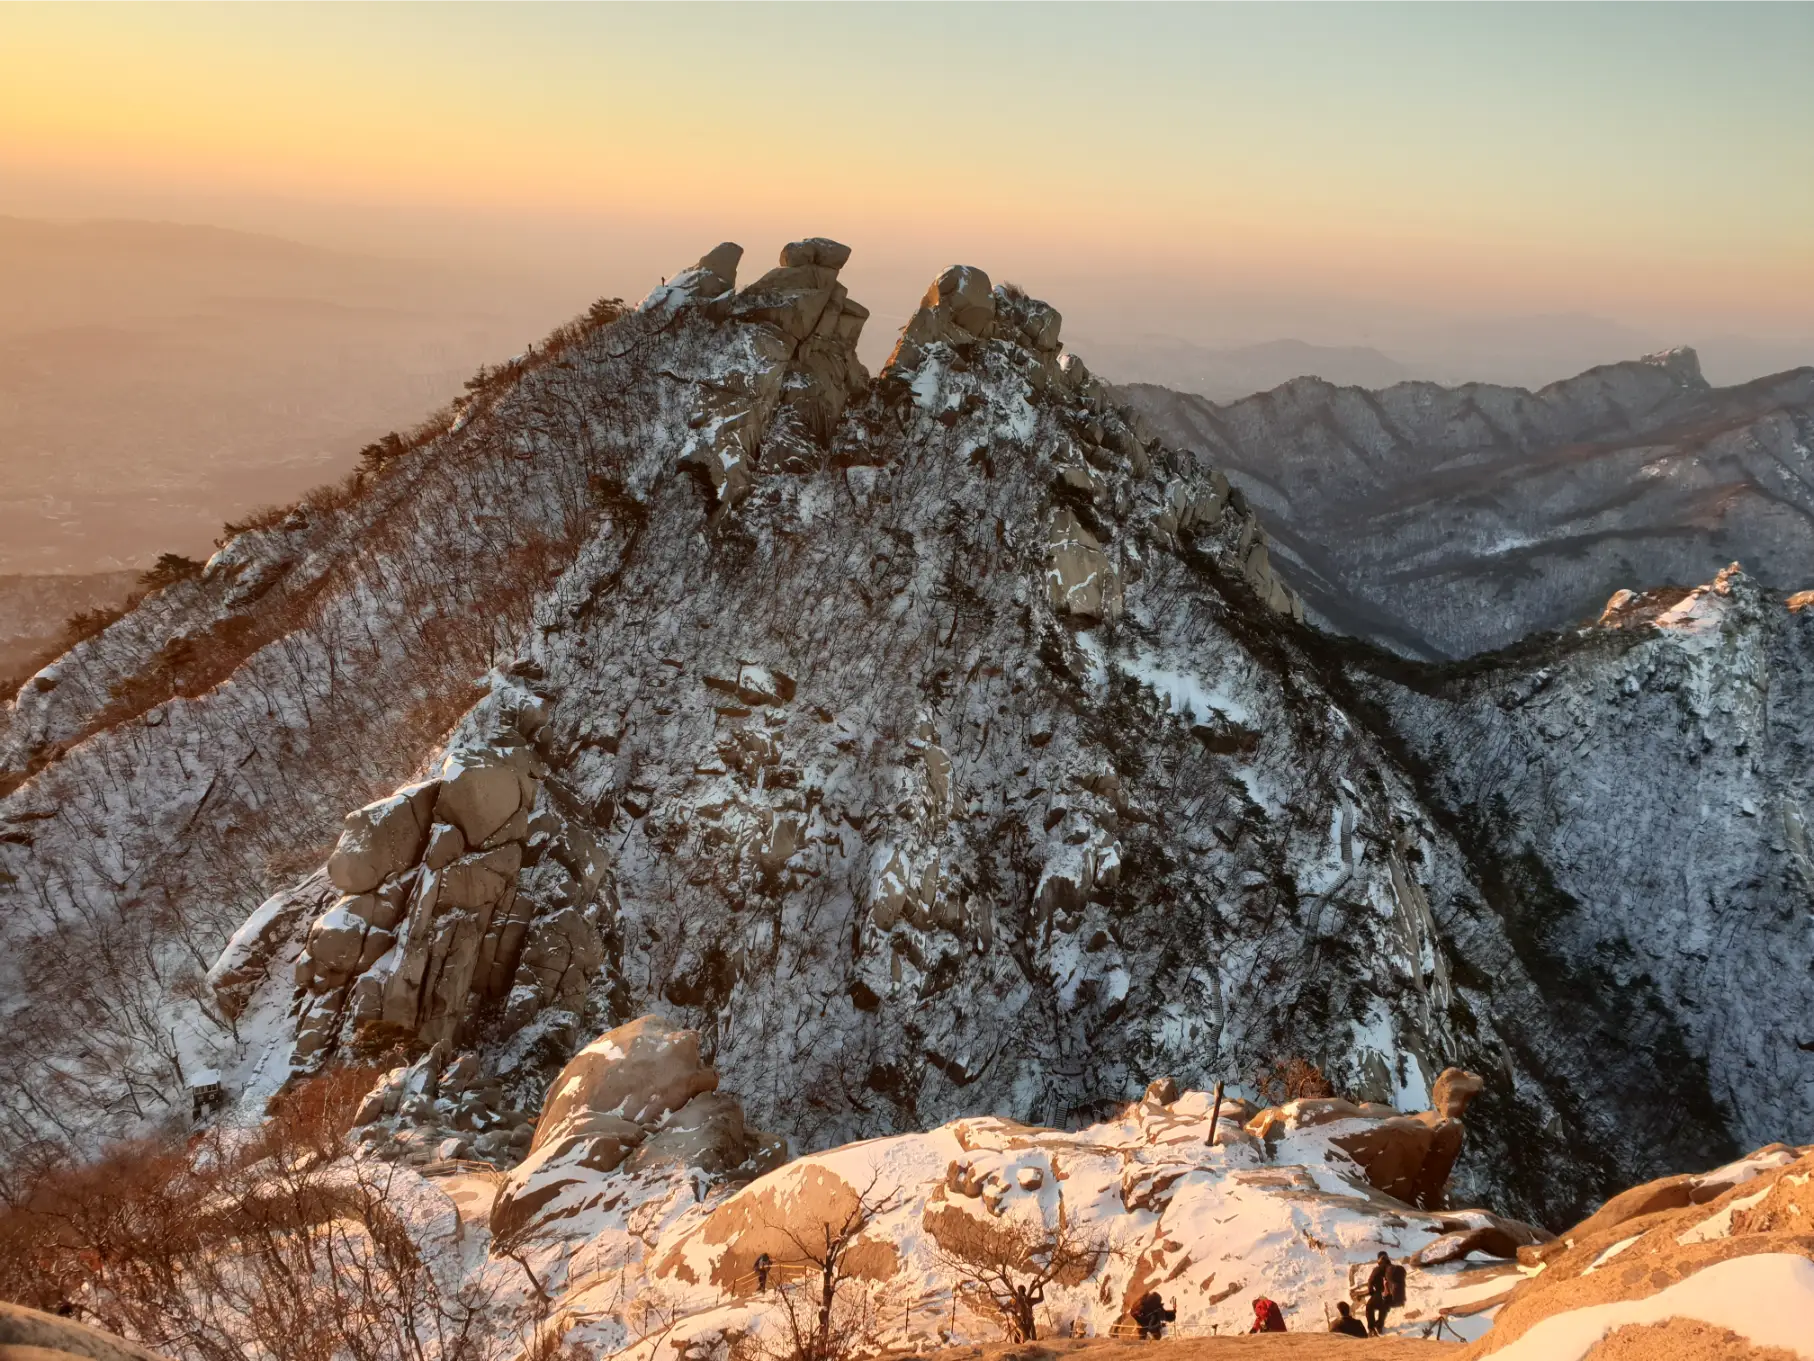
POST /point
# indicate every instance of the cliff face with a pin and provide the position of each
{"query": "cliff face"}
(933, 745)
(1443, 522)
(1639, 792)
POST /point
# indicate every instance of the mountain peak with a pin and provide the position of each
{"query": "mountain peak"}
(1680, 360)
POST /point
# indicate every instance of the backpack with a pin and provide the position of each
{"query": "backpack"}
(1395, 1287)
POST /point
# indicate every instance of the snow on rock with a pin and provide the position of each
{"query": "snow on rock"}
(1211, 1226)
(1732, 1248)
(636, 1097)
(1766, 1298)
(745, 697)
(1640, 788)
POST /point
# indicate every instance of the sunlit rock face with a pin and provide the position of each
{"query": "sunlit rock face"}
(930, 745)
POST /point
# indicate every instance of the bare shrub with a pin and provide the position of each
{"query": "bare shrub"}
(276, 1245)
(260, 517)
(1291, 1079)
(1006, 1265)
(169, 569)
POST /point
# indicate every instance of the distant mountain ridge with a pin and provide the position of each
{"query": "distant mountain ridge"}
(1449, 521)
(1228, 372)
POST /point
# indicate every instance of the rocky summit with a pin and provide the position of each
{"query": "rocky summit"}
(937, 744)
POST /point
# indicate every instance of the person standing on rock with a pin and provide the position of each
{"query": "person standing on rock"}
(1347, 1324)
(1385, 1292)
(762, 1265)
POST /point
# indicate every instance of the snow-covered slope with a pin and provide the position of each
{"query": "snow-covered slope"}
(638, 1212)
(1636, 796)
(936, 746)
(1450, 521)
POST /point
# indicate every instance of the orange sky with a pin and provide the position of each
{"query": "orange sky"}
(1651, 164)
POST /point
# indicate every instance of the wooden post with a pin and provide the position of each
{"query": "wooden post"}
(1215, 1112)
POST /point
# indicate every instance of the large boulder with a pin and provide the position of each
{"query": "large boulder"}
(1405, 1157)
(708, 1133)
(711, 279)
(481, 790)
(382, 838)
(28, 1335)
(1409, 1157)
(639, 1071)
(816, 250)
(958, 310)
(637, 1099)
(1080, 579)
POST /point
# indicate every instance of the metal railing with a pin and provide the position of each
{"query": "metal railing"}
(750, 1283)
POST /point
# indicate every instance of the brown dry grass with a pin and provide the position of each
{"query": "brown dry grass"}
(1681, 1339)
(1305, 1346)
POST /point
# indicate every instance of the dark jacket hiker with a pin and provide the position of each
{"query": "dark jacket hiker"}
(1385, 1292)
(1152, 1315)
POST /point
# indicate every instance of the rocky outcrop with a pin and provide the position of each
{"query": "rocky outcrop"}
(1732, 1247)
(1409, 1157)
(796, 368)
(636, 1098)
(1451, 521)
(439, 1109)
(28, 1335)
(478, 888)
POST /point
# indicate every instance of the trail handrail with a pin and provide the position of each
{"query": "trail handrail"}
(778, 1274)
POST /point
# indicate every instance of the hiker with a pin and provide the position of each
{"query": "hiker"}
(1385, 1292)
(762, 1266)
(1347, 1324)
(1152, 1315)
(1267, 1317)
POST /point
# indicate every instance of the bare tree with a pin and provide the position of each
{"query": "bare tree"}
(1009, 1263)
(819, 1327)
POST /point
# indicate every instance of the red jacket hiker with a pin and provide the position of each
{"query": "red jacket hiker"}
(1266, 1317)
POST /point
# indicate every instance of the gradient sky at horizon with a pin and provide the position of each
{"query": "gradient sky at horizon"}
(1645, 162)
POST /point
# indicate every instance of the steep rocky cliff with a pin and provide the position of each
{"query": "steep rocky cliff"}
(1636, 796)
(933, 745)
(1442, 522)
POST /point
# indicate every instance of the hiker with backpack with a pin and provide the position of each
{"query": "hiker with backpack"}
(1267, 1316)
(1385, 1292)
(1151, 1315)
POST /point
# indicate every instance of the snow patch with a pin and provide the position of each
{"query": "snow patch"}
(1767, 1298)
